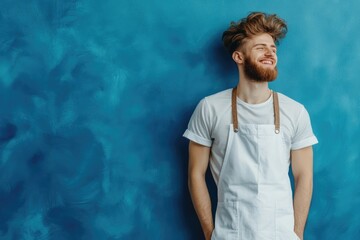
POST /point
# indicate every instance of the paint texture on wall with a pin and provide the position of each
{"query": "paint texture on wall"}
(95, 95)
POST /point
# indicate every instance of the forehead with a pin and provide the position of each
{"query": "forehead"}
(263, 38)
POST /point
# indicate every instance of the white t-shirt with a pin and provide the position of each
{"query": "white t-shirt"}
(209, 124)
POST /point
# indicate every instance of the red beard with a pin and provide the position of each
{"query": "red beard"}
(258, 73)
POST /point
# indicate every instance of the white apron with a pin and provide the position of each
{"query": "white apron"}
(254, 191)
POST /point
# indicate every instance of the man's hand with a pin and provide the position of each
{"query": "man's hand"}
(198, 162)
(302, 168)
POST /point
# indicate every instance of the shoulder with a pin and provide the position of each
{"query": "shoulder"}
(218, 104)
(290, 104)
(214, 104)
(219, 99)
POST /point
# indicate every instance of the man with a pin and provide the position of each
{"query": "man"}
(249, 135)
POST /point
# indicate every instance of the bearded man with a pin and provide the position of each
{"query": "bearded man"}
(249, 135)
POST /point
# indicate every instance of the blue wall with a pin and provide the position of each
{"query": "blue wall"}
(95, 95)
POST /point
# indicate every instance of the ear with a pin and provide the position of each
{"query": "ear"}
(238, 57)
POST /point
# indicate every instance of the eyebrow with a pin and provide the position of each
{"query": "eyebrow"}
(263, 44)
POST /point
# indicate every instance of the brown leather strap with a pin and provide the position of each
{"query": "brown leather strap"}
(235, 116)
(276, 112)
(234, 110)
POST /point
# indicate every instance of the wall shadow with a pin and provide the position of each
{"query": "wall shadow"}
(188, 215)
(217, 63)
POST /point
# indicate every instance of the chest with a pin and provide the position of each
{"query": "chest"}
(220, 133)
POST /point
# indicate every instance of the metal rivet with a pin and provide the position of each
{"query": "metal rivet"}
(277, 131)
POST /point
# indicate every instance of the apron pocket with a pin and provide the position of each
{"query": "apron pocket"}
(287, 236)
(285, 220)
(259, 223)
(226, 218)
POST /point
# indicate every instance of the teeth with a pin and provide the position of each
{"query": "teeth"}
(267, 62)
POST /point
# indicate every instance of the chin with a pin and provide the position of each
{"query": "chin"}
(260, 72)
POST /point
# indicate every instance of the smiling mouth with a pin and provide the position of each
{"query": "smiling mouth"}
(267, 62)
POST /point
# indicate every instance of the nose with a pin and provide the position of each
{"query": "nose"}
(269, 52)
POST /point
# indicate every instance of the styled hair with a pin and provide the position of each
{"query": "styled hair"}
(255, 23)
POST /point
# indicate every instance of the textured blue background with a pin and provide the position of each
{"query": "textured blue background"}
(95, 95)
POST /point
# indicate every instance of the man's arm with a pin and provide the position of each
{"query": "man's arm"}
(198, 163)
(302, 168)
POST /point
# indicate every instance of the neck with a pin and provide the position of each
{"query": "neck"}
(253, 92)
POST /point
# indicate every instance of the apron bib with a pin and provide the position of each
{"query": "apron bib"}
(254, 190)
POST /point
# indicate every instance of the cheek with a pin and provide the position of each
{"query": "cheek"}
(256, 57)
(276, 59)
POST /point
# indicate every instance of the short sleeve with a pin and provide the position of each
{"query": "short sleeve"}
(199, 127)
(304, 135)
